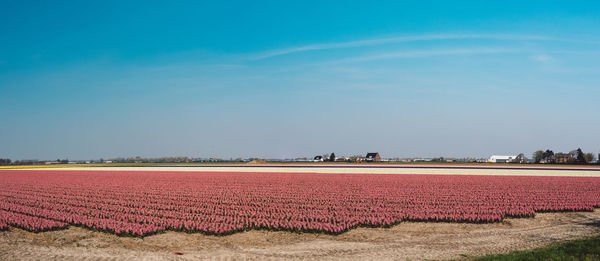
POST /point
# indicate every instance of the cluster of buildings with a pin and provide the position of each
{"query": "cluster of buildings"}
(370, 157)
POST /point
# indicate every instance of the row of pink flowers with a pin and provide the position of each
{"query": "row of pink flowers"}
(3, 225)
(143, 203)
(27, 222)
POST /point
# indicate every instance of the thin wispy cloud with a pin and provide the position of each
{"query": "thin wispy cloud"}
(399, 39)
(424, 53)
(542, 58)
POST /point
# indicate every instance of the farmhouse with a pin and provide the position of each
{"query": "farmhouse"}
(565, 158)
(373, 156)
(501, 159)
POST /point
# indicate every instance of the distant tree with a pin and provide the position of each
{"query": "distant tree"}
(4, 162)
(26, 162)
(589, 157)
(538, 155)
(580, 157)
(548, 157)
(332, 157)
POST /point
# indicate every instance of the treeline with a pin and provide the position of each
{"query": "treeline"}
(150, 160)
(573, 157)
(4, 162)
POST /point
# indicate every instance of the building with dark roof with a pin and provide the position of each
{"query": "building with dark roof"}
(373, 156)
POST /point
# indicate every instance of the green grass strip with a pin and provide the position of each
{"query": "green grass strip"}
(586, 249)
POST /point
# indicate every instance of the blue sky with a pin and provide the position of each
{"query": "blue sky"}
(91, 79)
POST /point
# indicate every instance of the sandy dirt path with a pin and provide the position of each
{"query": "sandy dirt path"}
(353, 169)
(408, 240)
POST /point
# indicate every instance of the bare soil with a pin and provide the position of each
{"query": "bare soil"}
(406, 241)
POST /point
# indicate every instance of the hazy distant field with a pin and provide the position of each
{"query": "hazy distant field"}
(344, 168)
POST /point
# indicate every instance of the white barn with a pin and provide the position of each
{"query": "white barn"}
(501, 158)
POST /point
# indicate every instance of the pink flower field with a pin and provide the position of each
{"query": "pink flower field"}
(143, 203)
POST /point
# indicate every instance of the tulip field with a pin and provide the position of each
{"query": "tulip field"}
(141, 203)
